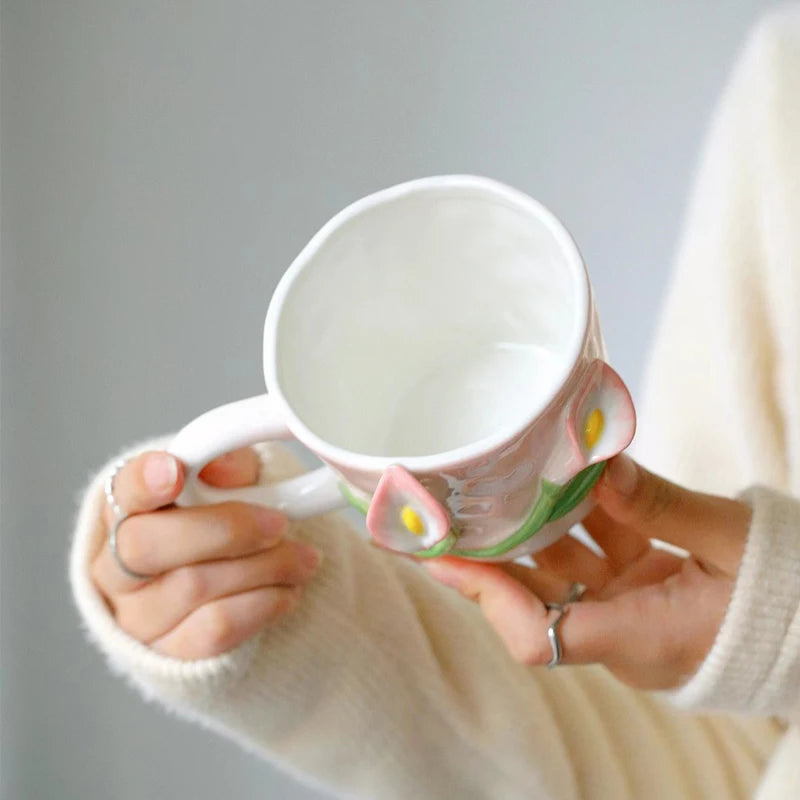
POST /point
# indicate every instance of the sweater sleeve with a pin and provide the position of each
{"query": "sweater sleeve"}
(754, 664)
(722, 390)
(385, 684)
(381, 683)
(719, 410)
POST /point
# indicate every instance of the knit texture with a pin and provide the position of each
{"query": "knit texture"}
(722, 396)
(721, 405)
(384, 684)
(754, 665)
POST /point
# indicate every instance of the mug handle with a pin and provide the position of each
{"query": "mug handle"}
(239, 424)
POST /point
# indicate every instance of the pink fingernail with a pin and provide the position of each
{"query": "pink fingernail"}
(160, 472)
(310, 557)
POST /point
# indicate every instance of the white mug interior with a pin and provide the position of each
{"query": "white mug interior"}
(438, 316)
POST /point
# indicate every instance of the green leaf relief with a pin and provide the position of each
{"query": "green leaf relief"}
(554, 502)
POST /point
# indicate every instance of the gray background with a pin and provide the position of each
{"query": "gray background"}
(162, 163)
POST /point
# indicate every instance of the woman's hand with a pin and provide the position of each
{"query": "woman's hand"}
(220, 573)
(648, 615)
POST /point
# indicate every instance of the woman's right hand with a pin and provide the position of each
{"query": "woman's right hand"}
(220, 573)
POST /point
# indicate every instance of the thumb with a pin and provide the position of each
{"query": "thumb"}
(237, 468)
(711, 528)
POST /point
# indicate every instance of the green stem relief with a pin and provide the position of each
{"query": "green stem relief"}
(539, 516)
(576, 490)
(440, 548)
(359, 503)
(554, 502)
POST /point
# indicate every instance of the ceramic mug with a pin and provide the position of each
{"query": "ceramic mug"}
(436, 345)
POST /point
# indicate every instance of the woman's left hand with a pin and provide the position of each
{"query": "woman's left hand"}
(648, 615)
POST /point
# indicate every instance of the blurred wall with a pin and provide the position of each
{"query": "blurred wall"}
(162, 163)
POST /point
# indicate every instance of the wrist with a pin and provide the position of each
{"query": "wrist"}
(754, 663)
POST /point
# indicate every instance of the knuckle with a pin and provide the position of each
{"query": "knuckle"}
(660, 499)
(191, 585)
(129, 619)
(135, 547)
(531, 652)
(219, 629)
(248, 532)
(228, 523)
(532, 649)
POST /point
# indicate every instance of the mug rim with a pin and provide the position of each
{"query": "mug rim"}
(481, 447)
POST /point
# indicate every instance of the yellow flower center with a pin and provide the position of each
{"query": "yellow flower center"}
(594, 428)
(412, 520)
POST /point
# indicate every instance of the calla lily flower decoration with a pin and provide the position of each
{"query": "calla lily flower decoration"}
(602, 422)
(404, 516)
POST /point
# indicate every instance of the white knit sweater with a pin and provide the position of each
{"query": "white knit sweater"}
(387, 685)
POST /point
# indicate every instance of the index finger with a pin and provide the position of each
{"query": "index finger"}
(147, 482)
(712, 528)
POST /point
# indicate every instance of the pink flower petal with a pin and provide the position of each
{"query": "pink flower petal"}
(607, 392)
(398, 488)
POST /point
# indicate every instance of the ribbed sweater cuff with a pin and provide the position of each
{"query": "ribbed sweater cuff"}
(754, 664)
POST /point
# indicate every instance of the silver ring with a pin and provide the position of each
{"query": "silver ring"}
(574, 594)
(112, 544)
(108, 486)
(576, 591)
(552, 634)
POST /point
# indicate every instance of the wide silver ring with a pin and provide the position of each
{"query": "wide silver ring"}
(574, 594)
(112, 545)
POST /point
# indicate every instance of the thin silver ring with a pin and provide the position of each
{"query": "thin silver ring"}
(574, 594)
(112, 544)
(552, 634)
(108, 487)
(576, 591)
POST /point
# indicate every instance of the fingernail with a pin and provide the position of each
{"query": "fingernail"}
(160, 472)
(622, 474)
(272, 522)
(309, 556)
